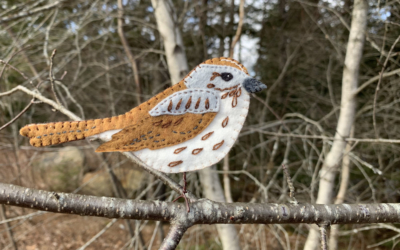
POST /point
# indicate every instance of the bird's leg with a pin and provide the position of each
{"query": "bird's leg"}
(184, 191)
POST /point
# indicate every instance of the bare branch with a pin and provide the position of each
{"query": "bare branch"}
(173, 238)
(31, 12)
(128, 51)
(239, 28)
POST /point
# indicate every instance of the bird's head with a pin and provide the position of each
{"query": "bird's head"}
(222, 74)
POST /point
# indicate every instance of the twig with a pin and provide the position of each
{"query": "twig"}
(46, 39)
(18, 116)
(40, 97)
(20, 72)
(31, 12)
(378, 86)
(128, 51)
(322, 137)
(23, 217)
(239, 28)
(112, 222)
(375, 78)
(51, 77)
(8, 228)
(290, 183)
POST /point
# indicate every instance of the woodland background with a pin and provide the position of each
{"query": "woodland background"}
(297, 48)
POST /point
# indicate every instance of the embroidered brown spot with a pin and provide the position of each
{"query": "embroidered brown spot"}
(174, 163)
(207, 105)
(224, 95)
(239, 92)
(210, 85)
(205, 137)
(170, 106)
(197, 151)
(214, 75)
(178, 121)
(197, 103)
(167, 124)
(188, 103)
(218, 145)
(157, 123)
(234, 101)
(233, 87)
(178, 150)
(225, 122)
(179, 104)
(232, 93)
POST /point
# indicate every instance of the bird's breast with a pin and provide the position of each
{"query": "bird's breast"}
(210, 146)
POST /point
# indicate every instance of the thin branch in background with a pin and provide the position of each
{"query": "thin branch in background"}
(26, 78)
(128, 52)
(51, 77)
(19, 115)
(112, 222)
(46, 40)
(322, 137)
(31, 12)
(378, 87)
(11, 57)
(7, 227)
(239, 28)
(14, 68)
(290, 183)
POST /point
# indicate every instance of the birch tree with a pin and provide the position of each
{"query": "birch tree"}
(350, 80)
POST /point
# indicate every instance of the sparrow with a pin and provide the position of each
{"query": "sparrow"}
(187, 127)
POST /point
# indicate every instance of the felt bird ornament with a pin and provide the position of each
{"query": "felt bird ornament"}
(187, 127)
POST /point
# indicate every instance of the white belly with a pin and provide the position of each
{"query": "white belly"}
(200, 152)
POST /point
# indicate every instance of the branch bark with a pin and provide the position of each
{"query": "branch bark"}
(203, 211)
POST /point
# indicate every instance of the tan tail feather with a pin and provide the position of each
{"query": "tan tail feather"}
(55, 133)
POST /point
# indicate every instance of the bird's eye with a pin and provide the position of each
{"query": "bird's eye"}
(226, 76)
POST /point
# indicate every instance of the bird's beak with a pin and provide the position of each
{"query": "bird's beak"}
(251, 85)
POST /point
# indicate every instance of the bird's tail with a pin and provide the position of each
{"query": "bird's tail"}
(55, 133)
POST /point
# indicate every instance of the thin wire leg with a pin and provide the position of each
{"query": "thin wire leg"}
(184, 191)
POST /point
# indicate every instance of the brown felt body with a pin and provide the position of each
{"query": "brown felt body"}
(134, 124)
(158, 132)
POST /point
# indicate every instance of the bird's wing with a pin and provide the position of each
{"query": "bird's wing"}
(176, 119)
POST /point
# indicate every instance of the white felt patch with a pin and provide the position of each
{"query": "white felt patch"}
(197, 101)
(207, 148)
(106, 136)
(201, 77)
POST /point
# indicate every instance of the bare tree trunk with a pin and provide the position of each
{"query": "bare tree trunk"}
(177, 65)
(334, 234)
(173, 43)
(213, 190)
(348, 107)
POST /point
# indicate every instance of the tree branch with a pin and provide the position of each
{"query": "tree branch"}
(31, 12)
(202, 211)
